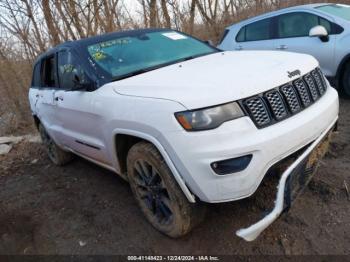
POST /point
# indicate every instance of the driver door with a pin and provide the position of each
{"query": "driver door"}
(81, 125)
(293, 36)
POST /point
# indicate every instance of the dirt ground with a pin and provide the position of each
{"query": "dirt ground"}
(84, 209)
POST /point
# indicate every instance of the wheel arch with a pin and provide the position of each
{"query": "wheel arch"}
(36, 121)
(341, 68)
(125, 139)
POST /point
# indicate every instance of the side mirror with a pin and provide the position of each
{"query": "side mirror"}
(81, 84)
(319, 31)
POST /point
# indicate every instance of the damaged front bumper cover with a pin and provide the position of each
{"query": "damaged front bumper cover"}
(286, 190)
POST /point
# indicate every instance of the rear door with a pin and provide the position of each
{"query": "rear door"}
(34, 91)
(83, 129)
(258, 35)
(46, 105)
(293, 35)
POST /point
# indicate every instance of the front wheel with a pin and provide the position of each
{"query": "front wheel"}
(158, 194)
(55, 153)
(346, 80)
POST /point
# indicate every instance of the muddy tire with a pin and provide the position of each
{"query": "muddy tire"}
(55, 153)
(158, 194)
(345, 81)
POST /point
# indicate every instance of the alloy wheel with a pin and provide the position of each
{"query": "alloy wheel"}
(150, 188)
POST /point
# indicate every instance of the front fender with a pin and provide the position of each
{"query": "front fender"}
(153, 139)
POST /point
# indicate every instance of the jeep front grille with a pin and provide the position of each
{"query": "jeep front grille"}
(303, 92)
(313, 88)
(279, 103)
(278, 107)
(291, 97)
(258, 110)
(320, 82)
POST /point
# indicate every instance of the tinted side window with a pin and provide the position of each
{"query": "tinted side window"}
(48, 72)
(36, 81)
(241, 35)
(326, 24)
(336, 29)
(224, 35)
(260, 30)
(296, 24)
(70, 72)
(332, 28)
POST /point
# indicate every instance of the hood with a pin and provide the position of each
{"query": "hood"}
(217, 78)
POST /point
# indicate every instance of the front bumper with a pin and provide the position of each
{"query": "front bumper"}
(287, 188)
(193, 152)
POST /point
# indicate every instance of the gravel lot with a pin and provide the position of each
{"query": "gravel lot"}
(84, 209)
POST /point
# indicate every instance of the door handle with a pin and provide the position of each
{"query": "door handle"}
(238, 48)
(59, 98)
(282, 47)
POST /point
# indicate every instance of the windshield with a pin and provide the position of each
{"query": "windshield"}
(342, 11)
(123, 56)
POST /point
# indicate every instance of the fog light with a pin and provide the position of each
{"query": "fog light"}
(232, 165)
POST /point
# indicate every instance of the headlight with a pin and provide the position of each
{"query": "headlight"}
(208, 118)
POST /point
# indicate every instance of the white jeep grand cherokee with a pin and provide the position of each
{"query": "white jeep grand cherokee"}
(182, 121)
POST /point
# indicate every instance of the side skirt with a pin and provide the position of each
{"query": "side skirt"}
(94, 161)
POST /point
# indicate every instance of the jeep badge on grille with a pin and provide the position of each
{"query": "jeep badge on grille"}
(294, 73)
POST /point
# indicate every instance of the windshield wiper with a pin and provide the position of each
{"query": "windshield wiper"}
(140, 71)
(195, 56)
(144, 70)
(134, 73)
(189, 58)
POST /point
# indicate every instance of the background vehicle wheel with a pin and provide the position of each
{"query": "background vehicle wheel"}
(56, 154)
(346, 80)
(158, 194)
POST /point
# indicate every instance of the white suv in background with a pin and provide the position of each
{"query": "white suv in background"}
(182, 121)
(320, 30)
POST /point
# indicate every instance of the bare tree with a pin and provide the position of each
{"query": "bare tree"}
(52, 30)
(192, 14)
(153, 13)
(166, 13)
